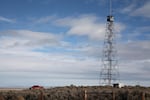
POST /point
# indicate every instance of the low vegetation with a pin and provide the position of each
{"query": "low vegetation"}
(79, 93)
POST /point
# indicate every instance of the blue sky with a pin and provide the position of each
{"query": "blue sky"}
(59, 42)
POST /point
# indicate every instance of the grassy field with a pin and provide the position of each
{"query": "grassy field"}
(78, 93)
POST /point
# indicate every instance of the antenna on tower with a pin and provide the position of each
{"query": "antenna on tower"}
(110, 7)
(109, 73)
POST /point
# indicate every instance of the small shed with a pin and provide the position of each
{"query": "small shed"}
(118, 85)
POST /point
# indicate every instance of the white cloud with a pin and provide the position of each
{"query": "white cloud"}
(84, 26)
(22, 43)
(143, 11)
(128, 8)
(144, 29)
(135, 10)
(135, 70)
(87, 25)
(19, 58)
(119, 27)
(133, 59)
(135, 50)
(3, 19)
(17, 50)
(51, 63)
(92, 51)
(47, 19)
(17, 54)
(51, 67)
(14, 38)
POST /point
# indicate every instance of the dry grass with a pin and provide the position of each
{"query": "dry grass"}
(77, 93)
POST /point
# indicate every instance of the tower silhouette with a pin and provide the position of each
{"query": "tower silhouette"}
(109, 73)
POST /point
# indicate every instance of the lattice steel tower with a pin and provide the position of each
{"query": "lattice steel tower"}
(109, 73)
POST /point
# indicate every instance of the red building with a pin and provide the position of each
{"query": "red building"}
(36, 87)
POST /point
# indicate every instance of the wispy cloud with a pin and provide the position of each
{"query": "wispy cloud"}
(84, 26)
(87, 25)
(135, 50)
(25, 50)
(14, 38)
(99, 2)
(44, 20)
(4, 19)
(128, 9)
(138, 10)
(143, 10)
